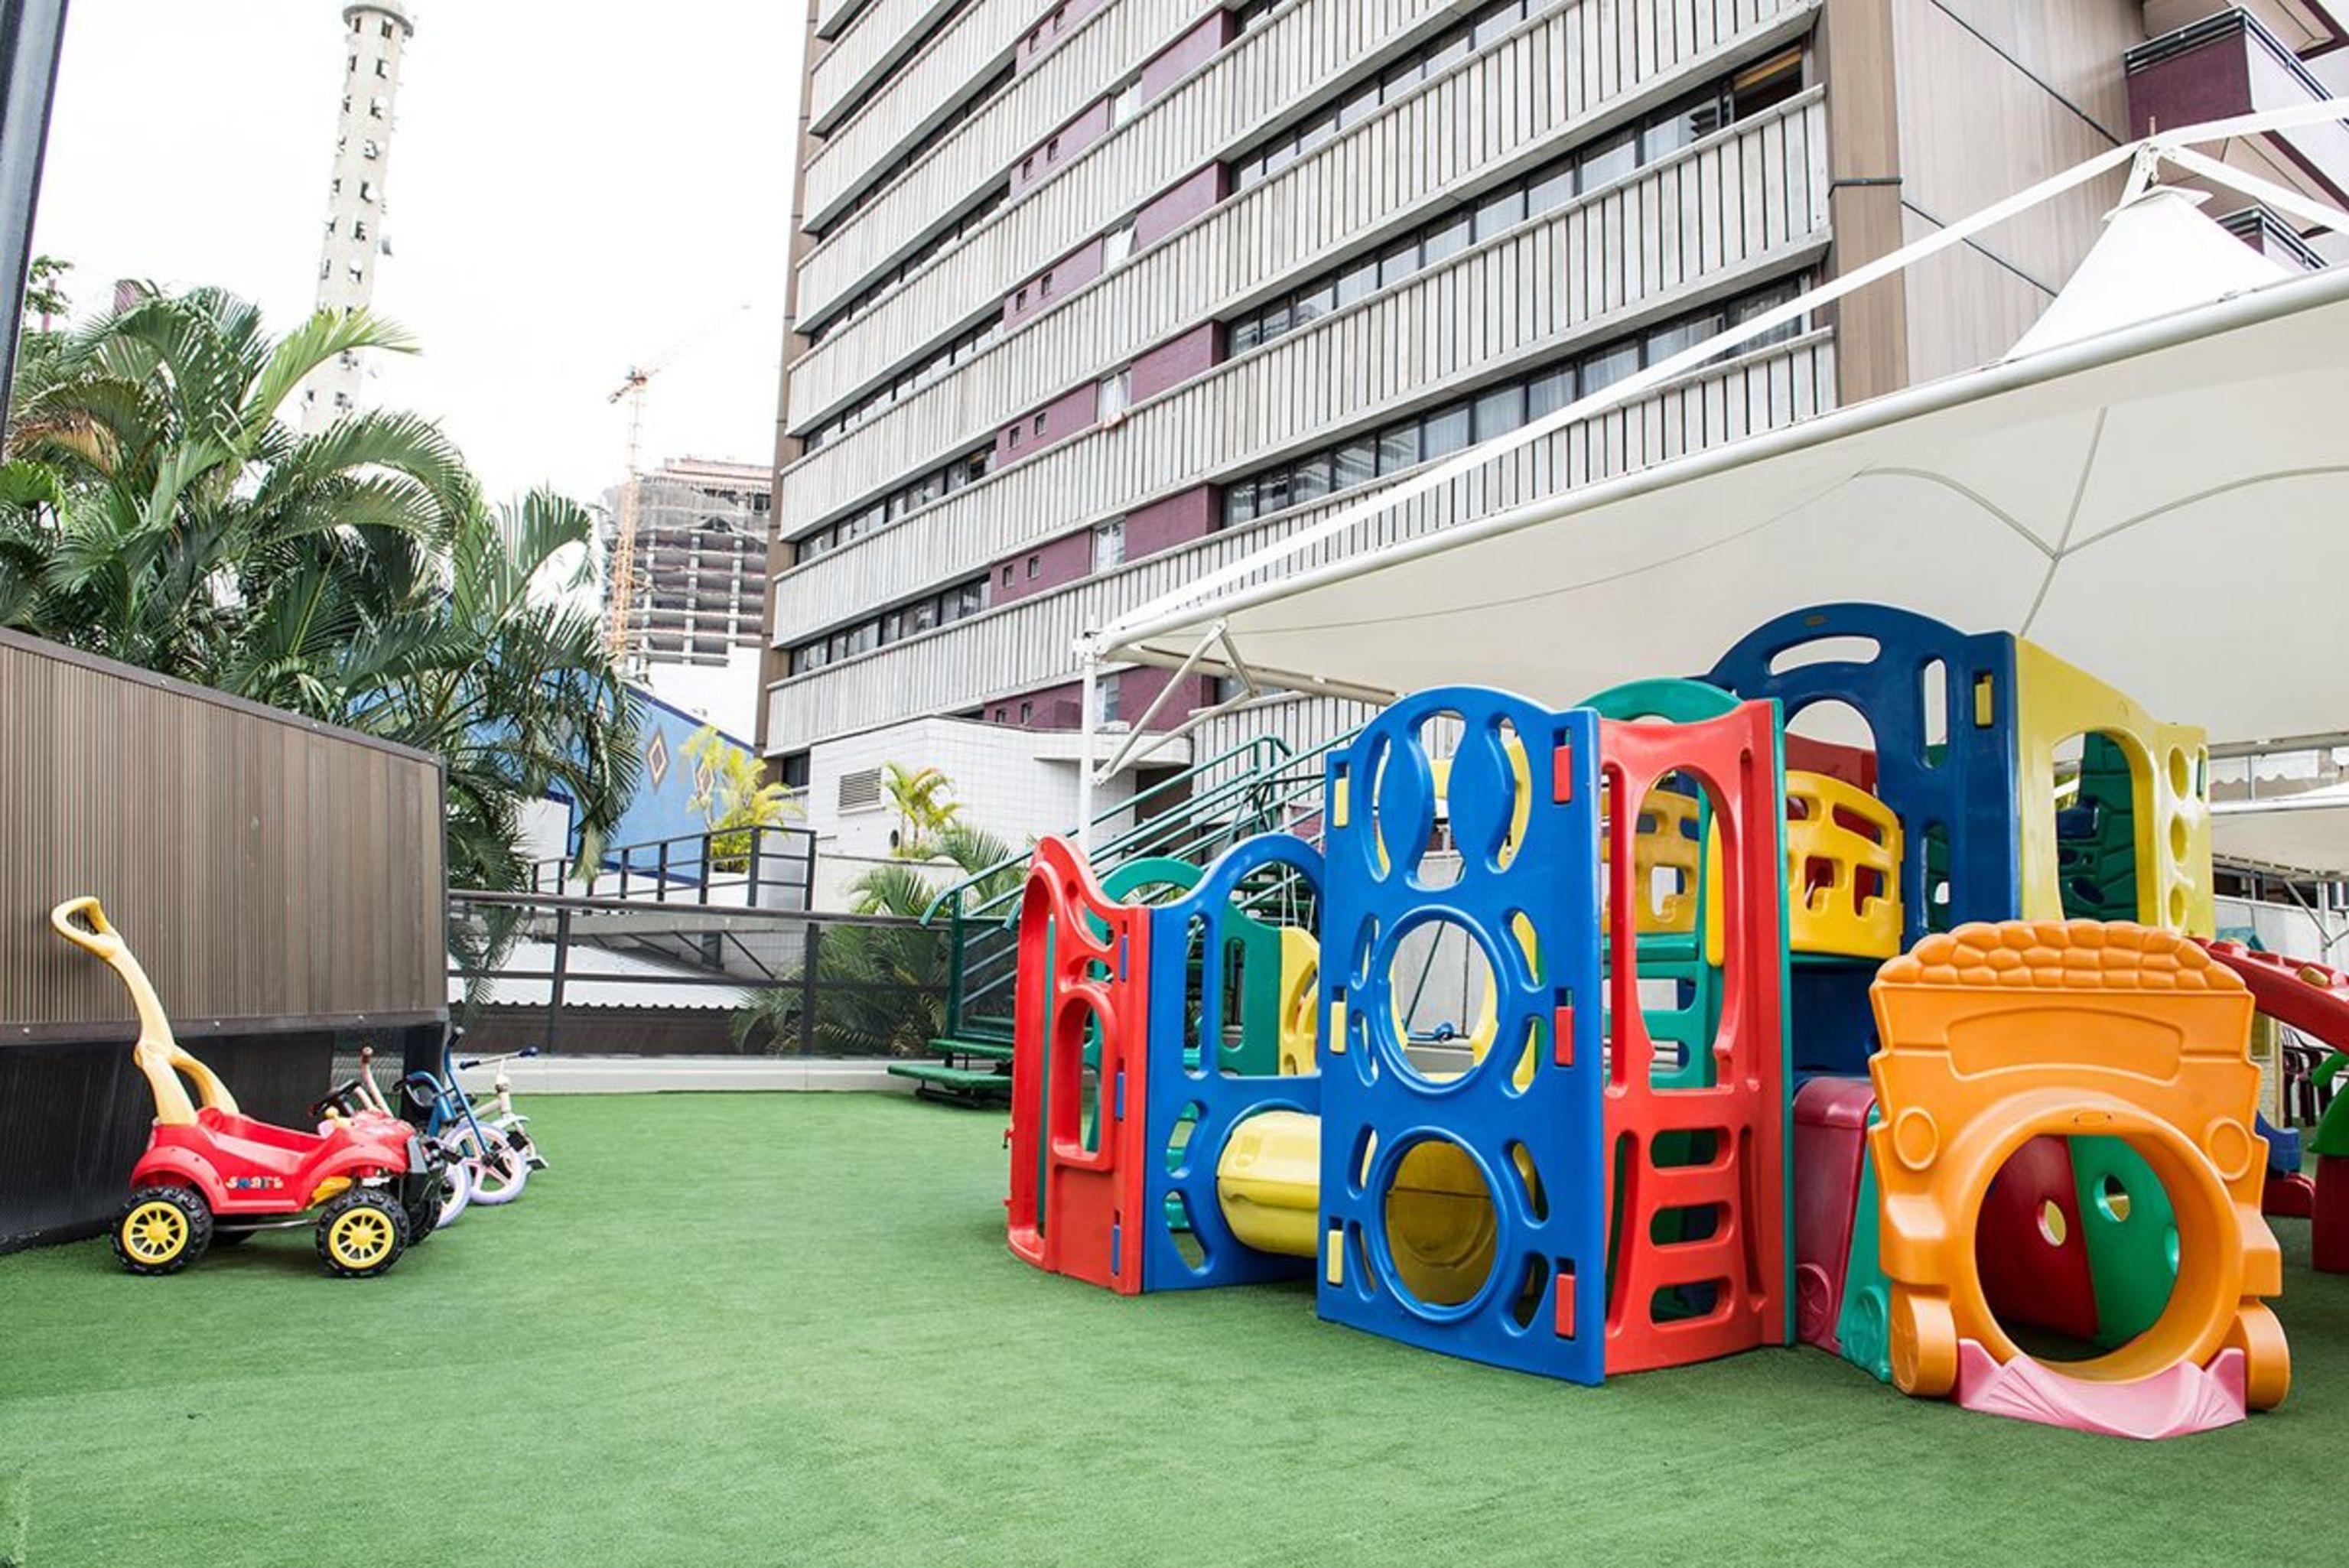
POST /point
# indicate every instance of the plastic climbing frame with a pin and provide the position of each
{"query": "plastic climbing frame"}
(2168, 800)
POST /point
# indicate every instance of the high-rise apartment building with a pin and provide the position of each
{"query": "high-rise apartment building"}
(1095, 296)
(376, 34)
(701, 559)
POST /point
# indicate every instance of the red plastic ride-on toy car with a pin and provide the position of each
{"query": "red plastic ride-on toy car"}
(212, 1176)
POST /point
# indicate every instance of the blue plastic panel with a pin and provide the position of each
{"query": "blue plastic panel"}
(1966, 788)
(1183, 1186)
(1376, 1106)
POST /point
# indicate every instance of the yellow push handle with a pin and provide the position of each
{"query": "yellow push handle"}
(98, 938)
(157, 1053)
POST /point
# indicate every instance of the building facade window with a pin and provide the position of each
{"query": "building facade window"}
(1109, 544)
(900, 621)
(883, 183)
(1548, 188)
(1114, 397)
(1496, 410)
(945, 240)
(1439, 53)
(903, 502)
(1116, 246)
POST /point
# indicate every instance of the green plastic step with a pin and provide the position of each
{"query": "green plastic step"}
(989, 1050)
(963, 1080)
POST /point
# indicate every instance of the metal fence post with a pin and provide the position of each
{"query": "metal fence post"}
(954, 968)
(758, 851)
(562, 971)
(708, 868)
(811, 949)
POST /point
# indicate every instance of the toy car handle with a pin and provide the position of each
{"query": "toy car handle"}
(338, 1100)
(98, 938)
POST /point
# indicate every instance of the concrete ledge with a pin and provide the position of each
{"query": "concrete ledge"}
(661, 1075)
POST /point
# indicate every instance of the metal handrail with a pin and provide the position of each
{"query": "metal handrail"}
(1255, 800)
(1164, 786)
(692, 871)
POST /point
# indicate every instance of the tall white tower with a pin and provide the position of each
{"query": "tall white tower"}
(376, 34)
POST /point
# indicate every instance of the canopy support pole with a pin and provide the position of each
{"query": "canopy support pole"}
(1088, 725)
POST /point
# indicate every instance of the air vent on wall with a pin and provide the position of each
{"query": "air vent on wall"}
(860, 790)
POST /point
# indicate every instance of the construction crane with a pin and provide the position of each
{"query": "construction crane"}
(620, 590)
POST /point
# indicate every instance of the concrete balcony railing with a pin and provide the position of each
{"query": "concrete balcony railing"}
(882, 34)
(1025, 645)
(2229, 62)
(1748, 202)
(1574, 65)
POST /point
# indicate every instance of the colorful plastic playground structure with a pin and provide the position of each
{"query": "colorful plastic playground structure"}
(1901, 1037)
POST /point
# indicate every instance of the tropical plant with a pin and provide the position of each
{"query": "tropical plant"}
(926, 806)
(160, 510)
(735, 799)
(880, 989)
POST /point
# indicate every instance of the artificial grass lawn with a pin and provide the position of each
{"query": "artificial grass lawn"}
(783, 1328)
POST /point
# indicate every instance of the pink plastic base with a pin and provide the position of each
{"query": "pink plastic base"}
(2167, 1405)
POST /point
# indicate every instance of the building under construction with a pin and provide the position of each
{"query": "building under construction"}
(697, 577)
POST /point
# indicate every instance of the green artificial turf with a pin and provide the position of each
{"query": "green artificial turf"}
(784, 1329)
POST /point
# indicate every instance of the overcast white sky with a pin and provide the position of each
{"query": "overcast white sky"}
(573, 188)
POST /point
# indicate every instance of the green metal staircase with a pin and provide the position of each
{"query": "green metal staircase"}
(1258, 787)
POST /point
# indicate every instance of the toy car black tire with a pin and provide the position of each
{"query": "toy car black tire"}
(361, 1233)
(420, 1196)
(162, 1229)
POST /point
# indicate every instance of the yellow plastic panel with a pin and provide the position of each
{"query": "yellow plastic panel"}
(1300, 999)
(1828, 864)
(2169, 791)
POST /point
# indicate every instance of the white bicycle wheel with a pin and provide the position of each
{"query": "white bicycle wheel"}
(517, 1132)
(456, 1192)
(499, 1172)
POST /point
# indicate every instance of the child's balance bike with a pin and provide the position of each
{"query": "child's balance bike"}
(213, 1175)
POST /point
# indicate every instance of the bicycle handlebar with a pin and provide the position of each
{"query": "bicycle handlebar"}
(472, 1062)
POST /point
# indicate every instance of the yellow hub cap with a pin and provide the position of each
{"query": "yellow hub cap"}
(155, 1233)
(359, 1239)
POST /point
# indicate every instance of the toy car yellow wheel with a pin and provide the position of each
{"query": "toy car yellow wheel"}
(162, 1230)
(361, 1233)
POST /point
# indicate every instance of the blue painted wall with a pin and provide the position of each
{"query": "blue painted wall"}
(666, 783)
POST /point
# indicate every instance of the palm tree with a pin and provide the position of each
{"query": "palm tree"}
(161, 511)
(882, 988)
(926, 806)
(736, 797)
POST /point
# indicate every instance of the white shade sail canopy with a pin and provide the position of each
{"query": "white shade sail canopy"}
(2307, 833)
(2163, 501)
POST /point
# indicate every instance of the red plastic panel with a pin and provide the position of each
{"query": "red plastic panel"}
(1830, 1148)
(1084, 960)
(2029, 1247)
(1741, 1260)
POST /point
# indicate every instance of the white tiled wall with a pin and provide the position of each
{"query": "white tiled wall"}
(1016, 784)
